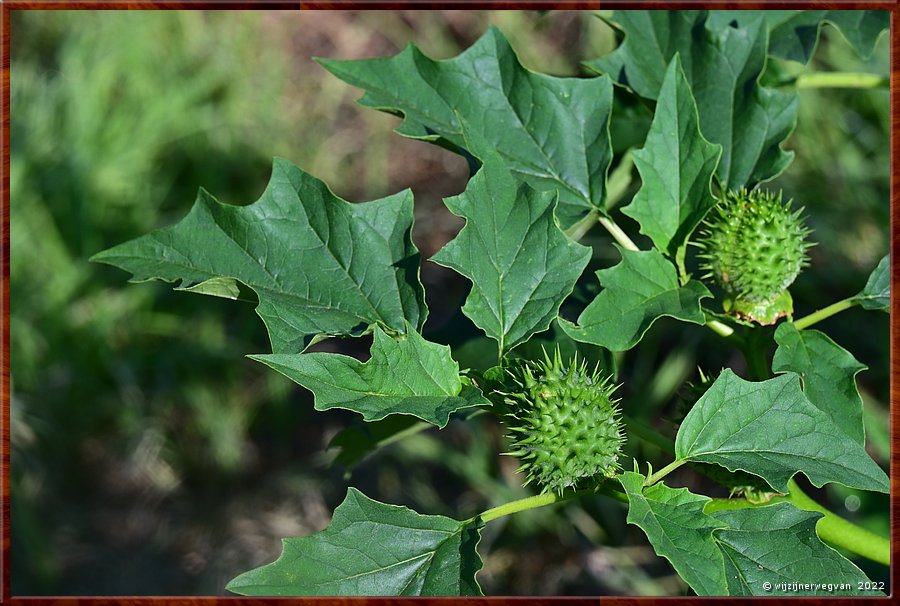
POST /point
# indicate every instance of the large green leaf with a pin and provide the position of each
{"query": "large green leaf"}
(520, 263)
(770, 429)
(373, 549)
(552, 132)
(679, 531)
(641, 288)
(877, 293)
(793, 34)
(778, 545)
(676, 166)
(723, 66)
(319, 265)
(861, 28)
(828, 372)
(409, 376)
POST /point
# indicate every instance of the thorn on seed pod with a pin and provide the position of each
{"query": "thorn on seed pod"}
(563, 422)
(754, 246)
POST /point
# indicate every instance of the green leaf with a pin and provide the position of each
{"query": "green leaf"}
(520, 262)
(723, 66)
(319, 265)
(770, 429)
(777, 544)
(828, 372)
(640, 289)
(373, 549)
(877, 293)
(679, 531)
(552, 132)
(794, 34)
(861, 28)
(409, 377)
(676, 166)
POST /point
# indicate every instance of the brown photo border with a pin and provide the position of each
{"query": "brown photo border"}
(6, 6)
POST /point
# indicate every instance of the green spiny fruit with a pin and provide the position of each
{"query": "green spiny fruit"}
(563, 423)
(754, 246)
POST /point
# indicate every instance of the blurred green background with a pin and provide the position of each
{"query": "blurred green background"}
(150, 457)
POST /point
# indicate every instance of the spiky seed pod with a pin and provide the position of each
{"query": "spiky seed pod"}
(564, 426)
(754, 246)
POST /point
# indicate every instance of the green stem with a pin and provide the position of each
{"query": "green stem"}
(659, 475)
(616, 232)
(577, 231)
(547, 498)
(825, 312)
(721, 329)
(840, 80)
(619, 180)
(832, 528)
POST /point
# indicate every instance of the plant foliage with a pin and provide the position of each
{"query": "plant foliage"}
(540, 148)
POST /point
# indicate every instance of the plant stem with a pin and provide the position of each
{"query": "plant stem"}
(616, 232)
(548, 498)
(619, 180)
(721, 329)
(659, 475)
(840, 80)
(577, 231)
(825, 312)
(832, 528)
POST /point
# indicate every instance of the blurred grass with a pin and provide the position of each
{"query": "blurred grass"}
(149, 457)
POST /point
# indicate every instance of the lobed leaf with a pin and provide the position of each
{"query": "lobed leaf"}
(770, 429)
(410, 377)
(640, 289)
(674, 522)
(373, 549)
(778, 544)
(877, 293)
(520, 262)
(552, 132)
(723, 65)
(794, 34)
(319, 265)
(828, 372)
(676, 166)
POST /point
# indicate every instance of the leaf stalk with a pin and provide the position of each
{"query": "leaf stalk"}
(548, 498)
(616, 232)
(659, 475)
(825, 312)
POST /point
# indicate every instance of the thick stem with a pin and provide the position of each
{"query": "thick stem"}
(832, 528)
(840, 80)
(548, 498)
(754, 348)
(616, 232)
(659, 475)
(825, 312)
